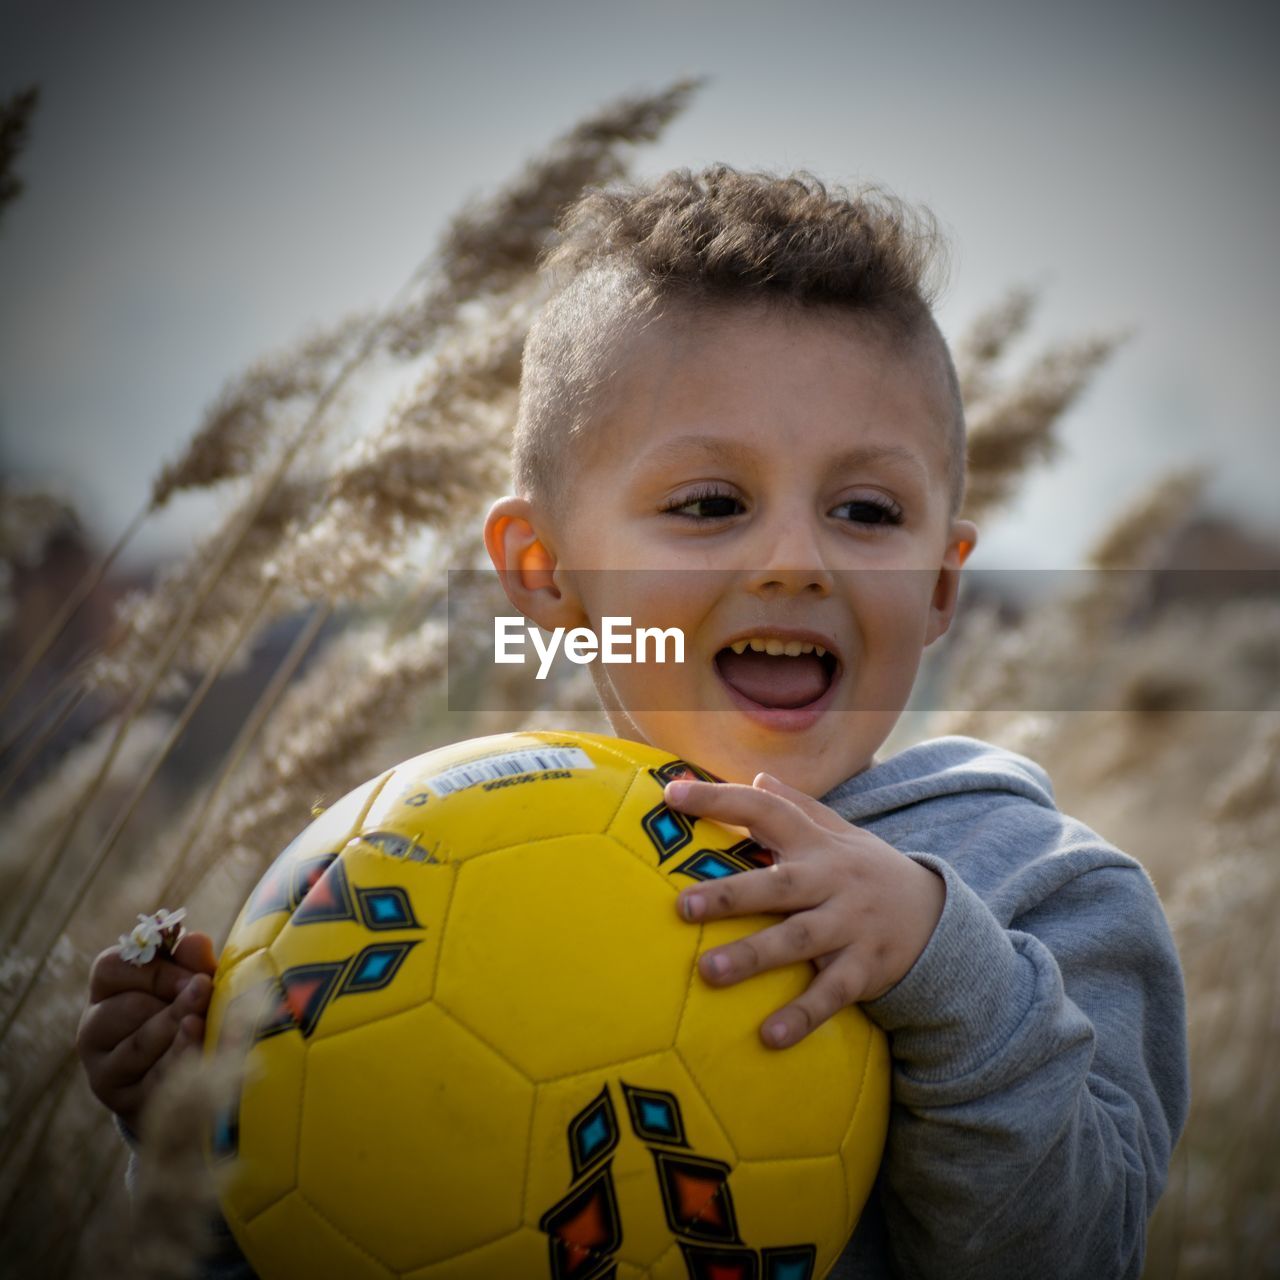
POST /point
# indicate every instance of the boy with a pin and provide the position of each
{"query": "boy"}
(738, 383)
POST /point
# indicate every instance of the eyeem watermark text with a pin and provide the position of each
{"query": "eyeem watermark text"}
(618, 641)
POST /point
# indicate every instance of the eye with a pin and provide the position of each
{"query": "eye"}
(706, 504)
(869, 511)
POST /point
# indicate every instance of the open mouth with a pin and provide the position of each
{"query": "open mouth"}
(777, 672)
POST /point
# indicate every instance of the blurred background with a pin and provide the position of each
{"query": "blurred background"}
(204, 183)
(264, 286)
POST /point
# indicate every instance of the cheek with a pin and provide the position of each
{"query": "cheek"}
(892, 608)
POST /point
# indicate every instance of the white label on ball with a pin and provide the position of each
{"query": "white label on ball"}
(507, 765)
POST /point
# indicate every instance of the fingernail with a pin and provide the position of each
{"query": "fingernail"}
(693, 906)
(776, 1031)
(718, 964)
(676, 792)
(184, 980)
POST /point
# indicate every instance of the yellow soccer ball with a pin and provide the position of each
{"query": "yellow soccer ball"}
(477, 1046)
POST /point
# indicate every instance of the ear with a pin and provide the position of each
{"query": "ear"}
(946, 591)
(527, 566)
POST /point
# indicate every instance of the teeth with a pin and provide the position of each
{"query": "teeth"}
(772, 645)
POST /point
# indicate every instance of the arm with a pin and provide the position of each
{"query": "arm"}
(1040, 1081)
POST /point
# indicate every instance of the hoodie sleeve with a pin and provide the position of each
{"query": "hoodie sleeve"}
(1039, 1082)
(224, 1261)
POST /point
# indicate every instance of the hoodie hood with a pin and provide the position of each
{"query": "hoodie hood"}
(940, 767)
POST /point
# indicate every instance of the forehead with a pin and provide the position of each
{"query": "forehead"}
(758, 369)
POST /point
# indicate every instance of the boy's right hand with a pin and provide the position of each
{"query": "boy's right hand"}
(140, 1018)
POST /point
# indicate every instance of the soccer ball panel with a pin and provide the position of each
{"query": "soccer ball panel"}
(254, 1138)
(520, 1254)
(601, 1137)
(863, 1144)
(431, 1134)
(294, 1238)
(524, 786)
(576, 981)
(369, 931)
(765, 1193)
(287, 880)
(811, 1083)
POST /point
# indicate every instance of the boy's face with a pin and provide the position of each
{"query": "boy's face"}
(759, 476)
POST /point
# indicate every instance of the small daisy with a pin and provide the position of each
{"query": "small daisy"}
(157, 932)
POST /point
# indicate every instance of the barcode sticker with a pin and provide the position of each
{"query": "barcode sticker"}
(507, 765)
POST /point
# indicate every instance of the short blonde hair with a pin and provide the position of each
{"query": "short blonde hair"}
(716, 240)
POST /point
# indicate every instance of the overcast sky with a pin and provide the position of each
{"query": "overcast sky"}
(206, 182)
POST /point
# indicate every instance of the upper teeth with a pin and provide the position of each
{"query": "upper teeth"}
(791, 648)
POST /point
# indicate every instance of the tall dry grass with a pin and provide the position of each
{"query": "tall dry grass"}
(345, 534)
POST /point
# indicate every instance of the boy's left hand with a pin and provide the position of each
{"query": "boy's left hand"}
(860, 910)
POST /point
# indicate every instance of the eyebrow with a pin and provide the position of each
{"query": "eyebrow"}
(717, 448)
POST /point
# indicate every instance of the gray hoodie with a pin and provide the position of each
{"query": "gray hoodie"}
(1040, 1074)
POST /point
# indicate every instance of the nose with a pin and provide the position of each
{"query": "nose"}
(789, 559)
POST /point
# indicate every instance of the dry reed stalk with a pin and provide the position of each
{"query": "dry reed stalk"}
(182, 878)
(1049, 659)
(320, 742)
(28, 519)
(148, 620)
(1014, 425)
(85, 881)
(492, 246)
(494, 243)
(1223, 913)
(984, 342)
(30, 822)
(1142, 532)
(442, 453)
(238, 426)
(176, 1196)
(488, 247)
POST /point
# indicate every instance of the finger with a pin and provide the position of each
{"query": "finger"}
(817, 812)
(138, 1052)
(826, 995)
(784, 886)
(190, 1035)
(772, 821)
(799, 937)
(161, 976)
(195, 952)
(104, 1025)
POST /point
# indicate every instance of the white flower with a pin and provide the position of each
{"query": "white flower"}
(159, 931)
(138, 946)
(170, 925)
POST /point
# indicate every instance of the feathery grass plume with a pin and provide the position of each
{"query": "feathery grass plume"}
(28, 519)
(520, 216)
(176, 1195)
(238, 425)
(494, 243)
(1220, 1219)
(145, 619)
(1144, 529)
(984, 342)
(16, 114)
(1122, 556)
(320, 743)
(442, 453)
(30, 822)
(1015, 424)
